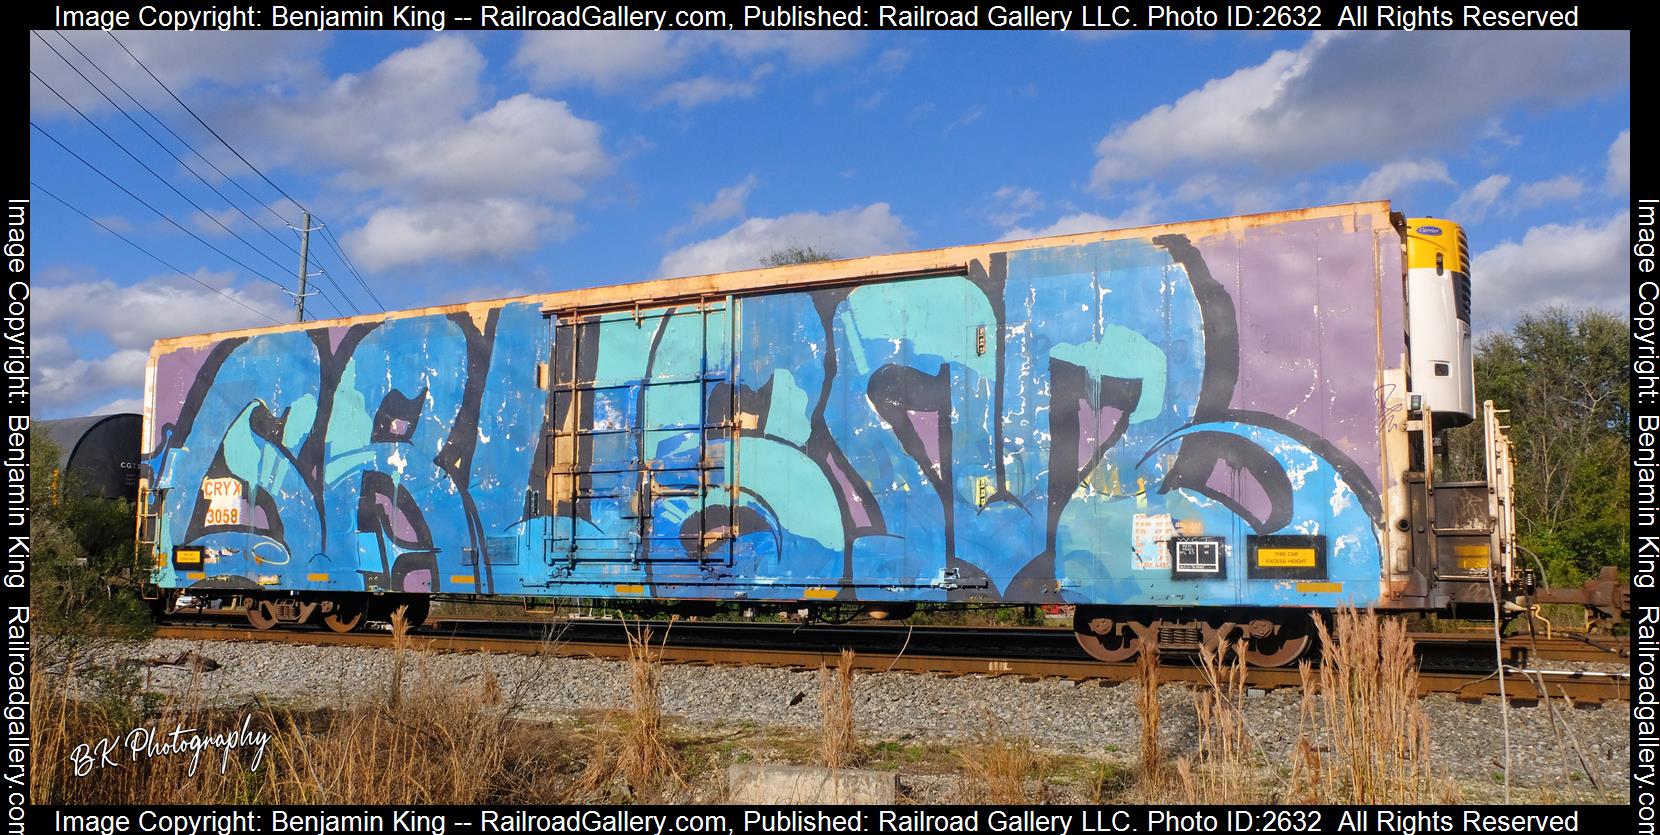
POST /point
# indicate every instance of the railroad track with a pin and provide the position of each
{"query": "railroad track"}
(1032, 653)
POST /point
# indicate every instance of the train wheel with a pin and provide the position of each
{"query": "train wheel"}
(1104, 639)
(344, 615)
(1279, 644)
(262, 615)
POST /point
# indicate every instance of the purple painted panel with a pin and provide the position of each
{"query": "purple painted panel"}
(175, 374)
(1305, 298)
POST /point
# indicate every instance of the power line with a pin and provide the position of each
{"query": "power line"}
(159, 212)
(146, 132)
(175, 134)
(340, 251)
(203, 123)
(164, 181)
(134, 245)
(146, 167)
(328, 234)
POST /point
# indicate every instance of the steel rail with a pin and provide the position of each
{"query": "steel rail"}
(1473, 685)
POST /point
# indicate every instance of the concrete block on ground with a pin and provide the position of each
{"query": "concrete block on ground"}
(775, 784)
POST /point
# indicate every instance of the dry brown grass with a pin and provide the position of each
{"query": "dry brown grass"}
(425, 739)
(442, 742)
(1147, 704)
(997, 766)
(1369, 715)
(70, 737)
(1307, 777)
(400, 647)
(1223, 771)
(435, 744)
(633, 758)
(838, 738)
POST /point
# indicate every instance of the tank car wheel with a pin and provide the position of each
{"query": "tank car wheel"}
(262, 615)
(344, 616)
(1105, 640)
(1280, 646)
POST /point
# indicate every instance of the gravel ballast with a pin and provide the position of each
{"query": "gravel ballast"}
(1090, 718)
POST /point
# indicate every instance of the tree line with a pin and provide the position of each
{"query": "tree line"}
(1565, 377)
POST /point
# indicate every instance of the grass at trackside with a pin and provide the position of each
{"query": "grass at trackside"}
(428, 739)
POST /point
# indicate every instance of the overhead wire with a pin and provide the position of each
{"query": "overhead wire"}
(152, 137)
(175, 134)
(142, 164)
(204, 123)
(163, 215)
(157, 119)
(321, 288)
(339, 250)
(157, 258)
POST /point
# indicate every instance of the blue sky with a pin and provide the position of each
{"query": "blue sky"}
(458, 166)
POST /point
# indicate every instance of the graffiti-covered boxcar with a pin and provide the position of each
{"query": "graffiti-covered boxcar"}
(1182, 430)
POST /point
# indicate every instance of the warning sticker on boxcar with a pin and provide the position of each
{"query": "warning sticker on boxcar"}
(224, 498)
(1150, 532)
(1285, 557)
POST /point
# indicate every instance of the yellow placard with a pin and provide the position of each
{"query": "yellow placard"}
(819, 594)
(631, 589)
(1481, 550)
(1319, 588)
(187, 556)
(195, 575)
(317, 578)
(1285, 557)
(462, 579)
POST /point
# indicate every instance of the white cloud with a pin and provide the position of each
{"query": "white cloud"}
(351, 121)
(728, 202)
(1352, 95)
(1067, 225)
(703, 90)
(968, 118)
(801, 48)
(1553, 190)
(191, 63)
(611, 60)
(604, 59)
(1619, 164)
(846, 234)
(463, 230)
(1229, 195)
(522, 145)
(1013, 204)
(1072, 224)
(119, 405)
(1578, 265)
(1477, 201)
(433, 156)
(1472, 206)
(216, 223)
(129, 319)
(892, 61)
(1391, 181)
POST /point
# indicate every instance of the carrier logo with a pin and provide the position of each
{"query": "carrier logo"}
(1429, 230)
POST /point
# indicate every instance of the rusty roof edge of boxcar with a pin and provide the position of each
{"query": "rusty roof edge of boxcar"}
(921, 262)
